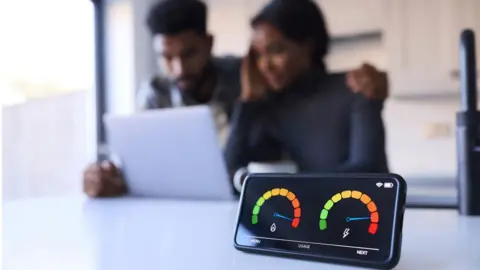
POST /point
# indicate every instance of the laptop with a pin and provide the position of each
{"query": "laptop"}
(170, 153)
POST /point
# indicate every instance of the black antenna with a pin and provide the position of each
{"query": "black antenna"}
(468, 71)
(468, 130)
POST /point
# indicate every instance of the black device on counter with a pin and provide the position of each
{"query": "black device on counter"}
(353, 219)
(468, 130)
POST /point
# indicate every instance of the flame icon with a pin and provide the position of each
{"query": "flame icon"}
(273, 228)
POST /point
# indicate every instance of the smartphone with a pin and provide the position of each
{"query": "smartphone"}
(353, 219)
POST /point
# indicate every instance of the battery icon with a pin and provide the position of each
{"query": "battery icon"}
(388, 185)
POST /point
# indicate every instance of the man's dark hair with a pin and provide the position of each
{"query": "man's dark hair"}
(299, 21)
(171, 17)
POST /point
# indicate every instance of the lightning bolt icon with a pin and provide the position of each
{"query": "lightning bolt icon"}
(346, 232)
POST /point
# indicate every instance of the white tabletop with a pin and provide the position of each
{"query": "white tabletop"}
(127, 233)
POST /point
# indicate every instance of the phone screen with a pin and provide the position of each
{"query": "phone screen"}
(347, 217)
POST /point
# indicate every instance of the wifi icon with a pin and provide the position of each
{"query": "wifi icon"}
(379, 184)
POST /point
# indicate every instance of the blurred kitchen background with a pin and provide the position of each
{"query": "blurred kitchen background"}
(47, 78)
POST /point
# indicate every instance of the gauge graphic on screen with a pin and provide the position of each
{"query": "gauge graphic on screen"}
(293, 216)
(354, 196)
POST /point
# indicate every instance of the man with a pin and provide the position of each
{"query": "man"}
(192, 76)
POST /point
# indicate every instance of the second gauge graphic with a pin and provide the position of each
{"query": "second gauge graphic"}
(354, 209)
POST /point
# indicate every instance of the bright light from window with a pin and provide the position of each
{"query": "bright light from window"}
(47, 47)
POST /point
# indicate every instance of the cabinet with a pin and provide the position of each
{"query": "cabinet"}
(422, 43)
(229, 20)
(465, 14)
(253, 7)
(351, 17)
(227, 23)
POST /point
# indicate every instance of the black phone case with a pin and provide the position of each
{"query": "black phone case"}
(397, 237)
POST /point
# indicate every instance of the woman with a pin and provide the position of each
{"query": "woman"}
(308, 112)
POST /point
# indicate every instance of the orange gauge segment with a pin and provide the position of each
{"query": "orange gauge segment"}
(370, 214)
(293, 217)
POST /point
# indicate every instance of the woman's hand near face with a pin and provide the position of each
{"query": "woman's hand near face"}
(252, 81)
(366, 79)
(369, 81)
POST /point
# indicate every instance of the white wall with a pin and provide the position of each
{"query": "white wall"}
(120, 57)
(411, 153)
(1, 151)
(129, 56)
(46, 145)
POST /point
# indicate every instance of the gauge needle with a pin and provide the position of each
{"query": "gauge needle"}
(348, 219)
(280, 216)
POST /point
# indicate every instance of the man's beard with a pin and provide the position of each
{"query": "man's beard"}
(197, 87)
(186, 84)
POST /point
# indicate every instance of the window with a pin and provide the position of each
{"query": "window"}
(47, 98)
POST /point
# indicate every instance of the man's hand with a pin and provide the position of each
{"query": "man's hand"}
(369, 81)
(103, 180)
